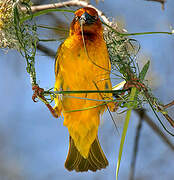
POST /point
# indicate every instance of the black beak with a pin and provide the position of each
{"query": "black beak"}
(87, 19)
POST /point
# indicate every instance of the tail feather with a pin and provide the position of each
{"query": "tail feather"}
(96, 159)
(82, 166)
(97, 154)
(74, 157)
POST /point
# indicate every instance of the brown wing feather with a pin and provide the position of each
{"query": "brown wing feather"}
(56, 63)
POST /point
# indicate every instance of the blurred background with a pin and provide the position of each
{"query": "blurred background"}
(34, 145)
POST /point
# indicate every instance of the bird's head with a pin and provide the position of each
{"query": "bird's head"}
(86, 19)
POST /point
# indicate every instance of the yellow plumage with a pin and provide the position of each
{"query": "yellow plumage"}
(82, 66)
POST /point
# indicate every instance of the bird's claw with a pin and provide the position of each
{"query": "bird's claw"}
(38, 92)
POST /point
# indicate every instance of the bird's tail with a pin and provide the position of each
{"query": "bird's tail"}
(96, 159)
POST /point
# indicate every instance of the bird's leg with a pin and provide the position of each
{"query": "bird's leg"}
(38, 92)
(52, 110)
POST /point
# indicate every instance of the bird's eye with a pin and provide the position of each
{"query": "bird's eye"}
(95, 17)
(76, 17)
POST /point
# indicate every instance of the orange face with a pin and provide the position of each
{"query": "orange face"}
(86, 19)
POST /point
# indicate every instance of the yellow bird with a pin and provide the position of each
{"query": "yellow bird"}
(82, 63)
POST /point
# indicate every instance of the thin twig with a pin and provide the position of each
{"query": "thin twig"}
(160, 1)
(136, 142)
(49, 52)
(159, 107)
(169, 105)
(65, 4)
(156, 129)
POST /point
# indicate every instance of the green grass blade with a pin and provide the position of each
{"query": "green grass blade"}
(44, 12)
(126, 123)
(136, 34)
(85, 91)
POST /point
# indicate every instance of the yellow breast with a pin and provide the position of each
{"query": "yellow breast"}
(83, 66)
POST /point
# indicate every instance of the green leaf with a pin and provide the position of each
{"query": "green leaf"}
(144, 71)
(126, 123)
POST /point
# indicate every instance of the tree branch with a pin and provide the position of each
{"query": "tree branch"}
(65, 4)
(156, 129)
(169, 105)
(136, 142)
(46, 51)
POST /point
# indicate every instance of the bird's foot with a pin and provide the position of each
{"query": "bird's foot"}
(38, 92)
(134, 82)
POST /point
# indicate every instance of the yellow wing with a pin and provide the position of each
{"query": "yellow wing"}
(58, 82)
